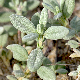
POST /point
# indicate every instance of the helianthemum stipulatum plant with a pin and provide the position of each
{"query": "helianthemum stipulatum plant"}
(39, 29)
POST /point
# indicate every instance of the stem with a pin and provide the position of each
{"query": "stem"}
(40, 42)
(19, 12)
(64, 22)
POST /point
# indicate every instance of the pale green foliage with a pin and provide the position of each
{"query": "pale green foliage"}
(76, 54)
(35, 60)
(61, 71)
(70, 35)
(32, 4)
(73, 43)
(1, 30)
(75, 24)
(56, 32)
(4, 17)
(73, 73)
(3, 39)
(46, 73)
(30, 37)
(19, 52)
(46, 61)
(18, 73)
(68, 8)
(18, 5)
(2, 2)
(51, 5)
(10, 29)
(22, 23)
(16, 67)
(43, 17)
(35, 19)
(57, 16)
(61, 4)
(11, 77)
(39, 28)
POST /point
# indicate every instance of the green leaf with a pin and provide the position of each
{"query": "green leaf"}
(10, 29)
(1, 30)
(18, 73)
(22, 23)
(3, 39)
(35, 19)
(68, 8)
(46, 73)
(62, 71)
(61, 4)
(56, 32)
(58, 66)
(57, 16)
(4, 17)
(2, 2)
(70, 35)
(76, 54)
(43, 17)
(46, 62)
(48, 6)
(32, 4)
(73, 73)
(73, 43)
(16, 67)
(19, 52)
(78, 69)
(35, 60)
(11, 77)
(30, 37)
(51, 5)
(75, 23)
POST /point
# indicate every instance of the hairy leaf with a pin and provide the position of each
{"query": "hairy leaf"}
(43, 17)
(35, 19)
(75, 23)
(46, 73)
(3, 39)
(70, 35)
(1, 30)
(76, 54)
(16, 67)
(68, 8)
(73, 43)
(22, 23)
(11, 77)
(78, 69)
(51, 5)
(18, 73)
(30, 37)
(61, 4)
(19, 52)
(46, 61)
(73, 73)
(56, 32)
(35, 60)
(57, 16)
